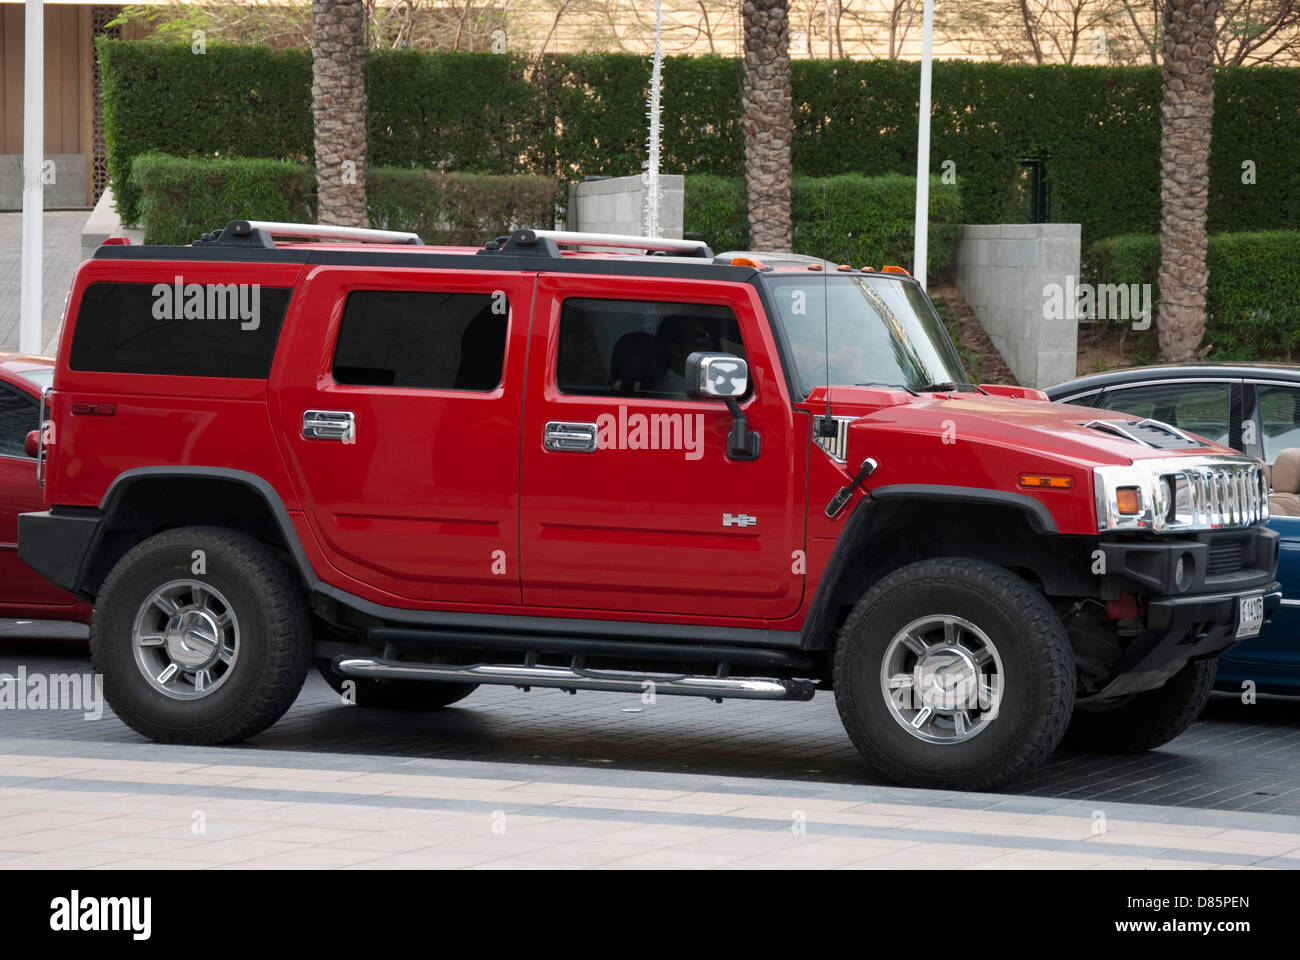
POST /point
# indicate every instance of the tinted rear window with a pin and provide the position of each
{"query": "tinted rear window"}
(196, 330)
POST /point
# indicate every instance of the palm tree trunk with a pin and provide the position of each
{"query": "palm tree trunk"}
(767, 120)
(1186, 112)
(338, 110)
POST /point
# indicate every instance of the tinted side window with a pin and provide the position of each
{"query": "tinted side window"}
(1200, 408)
(1279, 418)
(194, 330)
(19, 415)
(435, 341)
(638, 347)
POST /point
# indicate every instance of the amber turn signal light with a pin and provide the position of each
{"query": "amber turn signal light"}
(1047, 481)
(1128, 501)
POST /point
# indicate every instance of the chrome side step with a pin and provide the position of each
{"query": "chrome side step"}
(716, 688)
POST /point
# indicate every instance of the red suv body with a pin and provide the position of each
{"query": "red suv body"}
(429, 468)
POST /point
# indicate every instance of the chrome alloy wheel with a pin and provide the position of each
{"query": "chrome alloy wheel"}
(185, 639)
(942, 678)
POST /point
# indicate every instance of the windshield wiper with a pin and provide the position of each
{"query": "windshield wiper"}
(944, 386)
(891, 386)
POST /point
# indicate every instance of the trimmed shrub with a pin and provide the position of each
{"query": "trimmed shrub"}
(865, 221)
(461, 208)
(181, 198)
(1253, 298)
(233, 101)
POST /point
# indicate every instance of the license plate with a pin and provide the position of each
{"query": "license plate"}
(1250, 616)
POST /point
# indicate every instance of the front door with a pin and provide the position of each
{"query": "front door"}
(629, 501)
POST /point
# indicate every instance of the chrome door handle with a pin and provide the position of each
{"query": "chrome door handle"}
(330, 425)
(570, 437)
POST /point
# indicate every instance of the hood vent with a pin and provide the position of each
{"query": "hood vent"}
(1150, 433)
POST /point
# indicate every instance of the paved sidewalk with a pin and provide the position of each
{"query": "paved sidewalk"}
(60, 259)
(127, 806)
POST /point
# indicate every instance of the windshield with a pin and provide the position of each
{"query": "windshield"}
(43, 377)
(863, 329)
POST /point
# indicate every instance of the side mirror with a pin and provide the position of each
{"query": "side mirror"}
(724, 376)
(33, 444)
(716, 375)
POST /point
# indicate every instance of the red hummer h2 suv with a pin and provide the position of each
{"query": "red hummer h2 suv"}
(609, 463)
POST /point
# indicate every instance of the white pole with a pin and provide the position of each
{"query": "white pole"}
(921, 235)
(652, 113)
(29, 322)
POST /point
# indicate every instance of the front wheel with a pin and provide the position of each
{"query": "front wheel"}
(1145, 720)
(954, 673)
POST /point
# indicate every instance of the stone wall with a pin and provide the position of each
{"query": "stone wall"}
(1005, 272)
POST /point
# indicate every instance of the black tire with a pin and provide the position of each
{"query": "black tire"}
(268, 611)
(1146, 720)
(1036, 663)
(396, 694)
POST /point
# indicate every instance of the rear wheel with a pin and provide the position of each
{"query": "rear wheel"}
(1145, 720)
(395, 694)
(201, 634)
(954, 673)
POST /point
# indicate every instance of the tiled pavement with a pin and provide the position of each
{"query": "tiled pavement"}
(602, 779)
(126, 806)
(61, 236)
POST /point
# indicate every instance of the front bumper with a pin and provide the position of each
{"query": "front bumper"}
(1189, 616)
(1180, 629)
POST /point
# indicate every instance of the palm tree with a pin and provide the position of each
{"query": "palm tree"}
(1186, 111)
(338, 110)
(767, 121)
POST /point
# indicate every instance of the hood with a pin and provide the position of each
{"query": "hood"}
(1083, 436)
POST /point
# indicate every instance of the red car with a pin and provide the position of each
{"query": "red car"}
(23, 591)
(744, 476)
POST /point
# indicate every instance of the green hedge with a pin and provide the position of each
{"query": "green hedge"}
(231, 101)
(864, 221)
(571, 115)
(1253, 298)
(181, 198)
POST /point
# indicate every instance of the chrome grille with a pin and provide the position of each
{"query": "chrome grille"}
(1213, 496)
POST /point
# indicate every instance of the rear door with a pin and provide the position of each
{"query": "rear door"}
(399, 398)
(648, 515)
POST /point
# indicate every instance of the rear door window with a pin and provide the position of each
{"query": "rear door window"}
(429, 340)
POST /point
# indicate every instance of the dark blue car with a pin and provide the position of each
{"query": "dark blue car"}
(1251, 407)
